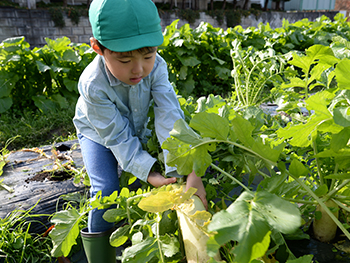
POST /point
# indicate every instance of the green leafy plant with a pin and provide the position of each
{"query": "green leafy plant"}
(321, 141)
(254, 72)
(188, 15)
(57, 16)
(142, 228)
(198, 60)
(17, 244)
(74, 15)
(189, 150)
(45, 78)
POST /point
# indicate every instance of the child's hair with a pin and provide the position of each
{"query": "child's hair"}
(140, 50)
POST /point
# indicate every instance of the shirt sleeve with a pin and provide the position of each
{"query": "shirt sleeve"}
(114, 131)
(167, 109)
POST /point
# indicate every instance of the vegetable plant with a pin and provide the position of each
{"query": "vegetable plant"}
(254, 71)
(321, 141)
(255, 217)
(44, 78)
(150, 242)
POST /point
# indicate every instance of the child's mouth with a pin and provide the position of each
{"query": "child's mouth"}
(136, 80)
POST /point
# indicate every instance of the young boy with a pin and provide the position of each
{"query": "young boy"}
(115, 93)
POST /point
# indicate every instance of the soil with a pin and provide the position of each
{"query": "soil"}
(51, 176)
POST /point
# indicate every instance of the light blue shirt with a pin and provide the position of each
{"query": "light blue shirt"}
(114, 114)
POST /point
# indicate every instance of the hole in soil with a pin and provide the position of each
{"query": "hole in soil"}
(62, 148)
(51, 176)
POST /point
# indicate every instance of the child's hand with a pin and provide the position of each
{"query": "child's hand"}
(195, 181)
(157, 180)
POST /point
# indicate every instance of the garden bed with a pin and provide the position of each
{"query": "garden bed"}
(35, 181)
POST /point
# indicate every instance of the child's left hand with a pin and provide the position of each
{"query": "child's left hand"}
(157, 180)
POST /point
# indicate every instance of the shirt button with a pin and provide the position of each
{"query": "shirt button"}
(135, 109)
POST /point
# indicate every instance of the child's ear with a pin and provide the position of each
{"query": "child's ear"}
(95, 47)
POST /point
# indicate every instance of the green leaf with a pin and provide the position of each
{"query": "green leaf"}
(183, 132)
(211, 102)
(114, 215)
(59, 45)
(280, 214)
(170, 245)
(342, 116)
(65, 232)
(5, 104)
(258, 249)
(44, 104)
(294, 83)
(141, 252)
(189, 61)
(210, 125)
(273, 184)
(187, 150)
(313, 53)
(119, 236)
(42, 67)
(303, 259)
(220, 61)
(6, 85)
(243, 130)
(189, 84)
(251, 217)
(300, 133)
(297, 169)
(316, 72)
(330, 153)
(71, 85)
(183, 72)
(340, 140)
(321, 190)
(71, 55)
(62, 101)
(247, 224)
(340, 176)
(342, 73)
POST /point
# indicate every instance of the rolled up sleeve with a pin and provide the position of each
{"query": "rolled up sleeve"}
(167, 109)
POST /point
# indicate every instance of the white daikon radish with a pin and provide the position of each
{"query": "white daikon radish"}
(195, 240)
(325, 228)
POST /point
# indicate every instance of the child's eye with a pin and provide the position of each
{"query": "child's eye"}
(149, 57)
(124, 62)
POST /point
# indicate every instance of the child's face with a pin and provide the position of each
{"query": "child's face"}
(130, 67)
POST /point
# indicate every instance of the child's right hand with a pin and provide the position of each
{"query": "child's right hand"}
(196, 182)
(157, 180)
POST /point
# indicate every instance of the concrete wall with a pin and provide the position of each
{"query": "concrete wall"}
(36, 24)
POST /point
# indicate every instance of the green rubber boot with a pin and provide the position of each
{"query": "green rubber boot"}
(97, 247)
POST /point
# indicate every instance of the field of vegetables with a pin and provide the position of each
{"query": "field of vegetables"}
(272, 178)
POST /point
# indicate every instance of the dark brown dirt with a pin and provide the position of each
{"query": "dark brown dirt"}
(51, 176)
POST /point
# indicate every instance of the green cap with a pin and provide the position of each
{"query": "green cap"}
(125, 25)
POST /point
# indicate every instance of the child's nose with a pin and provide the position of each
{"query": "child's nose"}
(137, 68)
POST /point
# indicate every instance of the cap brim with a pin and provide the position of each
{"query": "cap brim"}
(135, 42)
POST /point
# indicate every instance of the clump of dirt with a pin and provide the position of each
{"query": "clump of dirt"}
(50, 175)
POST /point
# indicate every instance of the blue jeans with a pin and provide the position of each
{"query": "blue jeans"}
(102, 168)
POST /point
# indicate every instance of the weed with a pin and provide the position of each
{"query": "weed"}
(17, 244)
